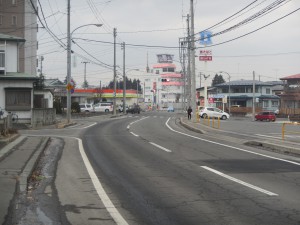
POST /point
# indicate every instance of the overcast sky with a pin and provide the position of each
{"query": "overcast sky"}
(272, 52)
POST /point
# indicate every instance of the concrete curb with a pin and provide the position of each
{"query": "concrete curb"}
(13, 141)
(275, 147)
(30, 165)
(190, 127)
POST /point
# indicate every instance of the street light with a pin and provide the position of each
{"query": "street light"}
(124, 88)
(69, 68)
(229, 105)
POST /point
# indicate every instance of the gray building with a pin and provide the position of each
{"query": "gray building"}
(18, 18)
(241, 93)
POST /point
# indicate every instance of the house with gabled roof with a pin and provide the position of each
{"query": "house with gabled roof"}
(290, 97)
(16, 88)
(241, 93)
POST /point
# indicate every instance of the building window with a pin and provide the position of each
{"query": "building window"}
(165, 69)
(268, 90)
(1, 19)
(17, 99)
(171, 70)
(2, 59)
(157, 71)
(275, 103)
(14, 20)
(265, 104)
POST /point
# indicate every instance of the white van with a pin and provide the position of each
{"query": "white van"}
(103, 107)
(86, 107)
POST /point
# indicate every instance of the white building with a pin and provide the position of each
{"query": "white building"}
(163, 86)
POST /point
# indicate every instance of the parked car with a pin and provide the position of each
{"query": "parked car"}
(268, 116)
(134, 109)
(86, 107)
(213, 113)
(104, 107)
(170, 109)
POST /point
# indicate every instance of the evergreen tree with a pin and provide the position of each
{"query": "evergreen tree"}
(218, 79)
(130, 84)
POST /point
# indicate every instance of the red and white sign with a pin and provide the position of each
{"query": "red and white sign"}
(205, 58)
(205, 52)
(211, 100)
(205, 55)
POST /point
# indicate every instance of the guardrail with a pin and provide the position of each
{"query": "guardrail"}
(283, 130)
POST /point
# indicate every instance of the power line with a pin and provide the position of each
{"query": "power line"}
(251, 18)
(253, 30)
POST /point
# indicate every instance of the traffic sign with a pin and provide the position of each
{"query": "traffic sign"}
(205, 58)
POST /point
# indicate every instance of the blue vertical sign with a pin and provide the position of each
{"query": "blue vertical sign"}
(205, 37)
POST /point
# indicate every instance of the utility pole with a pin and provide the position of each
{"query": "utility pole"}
(188, 92)
(193, 68)
(100, 91)
(41, 72)
(253, 99)
(85, 84)
(124, 79)
(182, 57)
(68, 63)
(115, 74)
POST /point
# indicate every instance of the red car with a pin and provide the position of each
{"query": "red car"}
(268, 116)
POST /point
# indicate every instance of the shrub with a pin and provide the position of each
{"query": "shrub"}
(75, 107)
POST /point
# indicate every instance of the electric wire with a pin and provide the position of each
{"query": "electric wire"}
(251, 32)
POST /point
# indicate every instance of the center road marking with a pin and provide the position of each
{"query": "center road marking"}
(128, 127)
(160, 147)
(232, 147)
(239, 181)
(134, 134)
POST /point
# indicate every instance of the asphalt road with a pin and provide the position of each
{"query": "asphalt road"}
(148, 169)
(156, 172)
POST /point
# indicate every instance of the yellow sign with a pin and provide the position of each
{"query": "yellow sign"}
(69, 86)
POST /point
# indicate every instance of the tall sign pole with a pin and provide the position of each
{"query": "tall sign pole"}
(193, 67)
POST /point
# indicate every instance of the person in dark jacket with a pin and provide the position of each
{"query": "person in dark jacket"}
(189, 111)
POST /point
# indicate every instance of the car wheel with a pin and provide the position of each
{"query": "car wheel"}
(224, 117)
(106, 110)
(204, 115)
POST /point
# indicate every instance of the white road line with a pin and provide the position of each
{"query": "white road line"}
(128, 127)
(268, 136)
(240, 181)
(118, 218)
(160, 147)
(89, 126)
(134, 134)
(77, 126)
(228, 146)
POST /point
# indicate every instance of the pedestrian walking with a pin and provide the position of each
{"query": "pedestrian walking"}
(189, 111)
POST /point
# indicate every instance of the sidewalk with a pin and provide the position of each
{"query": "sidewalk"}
(17, 160)
(275, 145)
